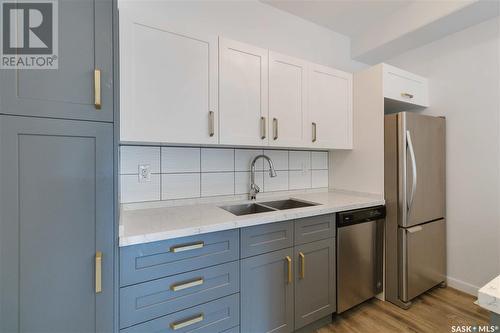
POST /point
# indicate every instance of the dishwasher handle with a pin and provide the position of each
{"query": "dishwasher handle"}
(357, 216)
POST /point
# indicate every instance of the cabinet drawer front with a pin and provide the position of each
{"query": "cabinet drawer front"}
(233, 330)
(144, 262)
(406, 87)
(212, 317)
(266, 238)
(149, 300)
(314, 228)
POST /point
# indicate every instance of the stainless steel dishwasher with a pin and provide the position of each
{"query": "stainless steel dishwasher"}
(360, 237)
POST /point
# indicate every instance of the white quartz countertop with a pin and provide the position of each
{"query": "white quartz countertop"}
(148, 224)
(489, 296)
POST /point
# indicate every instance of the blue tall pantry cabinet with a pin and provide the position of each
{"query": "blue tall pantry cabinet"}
(57, 192)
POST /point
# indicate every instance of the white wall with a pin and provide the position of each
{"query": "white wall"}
(258, 24)
(362, 168)
(463, 72)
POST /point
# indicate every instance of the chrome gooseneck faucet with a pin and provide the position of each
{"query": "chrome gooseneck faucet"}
(254, 189)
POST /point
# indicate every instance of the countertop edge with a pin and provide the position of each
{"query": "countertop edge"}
(488, 297)
(263, 219)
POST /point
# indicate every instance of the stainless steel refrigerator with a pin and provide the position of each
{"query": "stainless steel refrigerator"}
(415, 251)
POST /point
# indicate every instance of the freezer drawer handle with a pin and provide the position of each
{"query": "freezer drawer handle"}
(414, 229)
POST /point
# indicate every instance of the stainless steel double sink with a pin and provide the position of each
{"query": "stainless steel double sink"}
(269, 206)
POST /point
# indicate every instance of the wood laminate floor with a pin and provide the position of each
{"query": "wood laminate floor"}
(435, 311)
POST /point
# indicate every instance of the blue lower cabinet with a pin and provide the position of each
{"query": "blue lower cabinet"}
(213, 317)
(233, 330)
(56, 218)
(144, 262)
(267, 293)
(149, 300)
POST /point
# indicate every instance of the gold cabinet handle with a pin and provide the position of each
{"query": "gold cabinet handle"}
(410, 96)
(97, 89)
(289, 267)
(275, 128)
(302, 259)
(186, 285)
(188, 322)
(314, 132)
(211, 127)
(262, 128)
(187, 247)
(98, 272)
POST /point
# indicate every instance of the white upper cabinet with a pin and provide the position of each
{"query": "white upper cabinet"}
(243, 93)
(287, 100)
(168, 82)
(329, 120)
(181, 86)
(403, 86)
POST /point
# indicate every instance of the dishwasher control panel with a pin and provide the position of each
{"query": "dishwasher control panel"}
(360, 215)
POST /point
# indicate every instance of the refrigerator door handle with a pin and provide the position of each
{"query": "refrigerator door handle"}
(413, 170)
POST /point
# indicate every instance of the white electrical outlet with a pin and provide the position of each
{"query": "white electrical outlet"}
(144, 173)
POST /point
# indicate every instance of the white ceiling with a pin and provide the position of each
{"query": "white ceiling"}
(350, 18)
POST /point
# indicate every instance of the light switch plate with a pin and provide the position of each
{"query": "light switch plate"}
(144, 173)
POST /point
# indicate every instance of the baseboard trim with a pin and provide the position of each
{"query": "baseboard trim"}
(462, 286)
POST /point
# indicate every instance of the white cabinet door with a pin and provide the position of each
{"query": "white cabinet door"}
(329, 122)
(168, 82)
(287, 100)
(243, 93)
(403, 86)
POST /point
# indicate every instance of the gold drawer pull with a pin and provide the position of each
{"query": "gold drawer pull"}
(191, 321)
(262, 128)
(314, 132)
(186, 285)
(275, 128)
(98, 272)
(187, 247)
(289, 267)
(302, 258)
(211, 124)
(97, 89)
(410, 96)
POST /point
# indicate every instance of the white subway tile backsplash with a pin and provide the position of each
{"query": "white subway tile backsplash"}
(133, 156)
(217, 183)
(180, 159)
(131, 190)
(242, 182)
(300, 160)
(243, 158)
(217, 159)
(319, 160)
(319, 178)
(279, 158)
(278, 183)
(180, 186)
(300, 179)
(190, 172)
